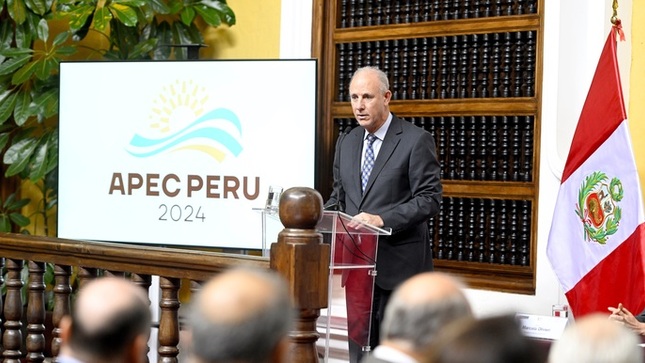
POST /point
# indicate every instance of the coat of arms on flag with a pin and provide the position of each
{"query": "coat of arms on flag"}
(598, 207)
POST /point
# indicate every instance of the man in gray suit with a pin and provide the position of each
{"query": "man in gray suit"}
(402, 191)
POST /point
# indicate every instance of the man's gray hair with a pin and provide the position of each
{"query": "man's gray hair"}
(417, 324)
(384, 83)
(252, 340)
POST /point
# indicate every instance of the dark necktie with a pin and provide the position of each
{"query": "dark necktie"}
(368, 163)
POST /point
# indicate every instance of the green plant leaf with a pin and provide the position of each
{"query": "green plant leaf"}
(38, 6)
(43, 68)
(159, 6)
(46, 103)
(146, 16)
(13, 64)
(5, 224)
(187, 15)
(9, 200)
(6, 36)
(38, 166)
(4, 139)
(52, 161)
(125, 14)
(102, 18)
(60, 38)
(210, 15)
(225, 11)
(65, 51)
(131, 3)
(12, 204)
(43, 30)
(49, 276)
(195, 34)
(79, 15)
(18, 156)
(19, 219)
(7, 103)
(21, 110)
(175, 6)
(17, 10)
(31, 25)
(23, 36)
(143, 48)
(163, 34)
(25, 72)
(180, 35)
(14, 52)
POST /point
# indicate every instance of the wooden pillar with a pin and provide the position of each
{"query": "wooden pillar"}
(302, 258)
(12, 337)
(62, 303)
(168, 338)
(35, 343)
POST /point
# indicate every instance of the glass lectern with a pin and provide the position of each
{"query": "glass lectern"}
(352, 271)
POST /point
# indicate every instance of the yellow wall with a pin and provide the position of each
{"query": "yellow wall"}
(636, 107)
(255, 35)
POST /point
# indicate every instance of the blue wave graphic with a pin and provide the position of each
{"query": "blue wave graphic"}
(194, 130)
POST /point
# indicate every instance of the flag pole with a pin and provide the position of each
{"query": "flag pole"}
(615, 21)
(614, 16)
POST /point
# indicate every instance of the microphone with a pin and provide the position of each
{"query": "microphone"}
(337, 205)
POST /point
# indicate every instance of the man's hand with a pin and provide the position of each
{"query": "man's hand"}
(371, 219)
(623, 316)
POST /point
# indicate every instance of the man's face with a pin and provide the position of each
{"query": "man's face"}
(369, 103)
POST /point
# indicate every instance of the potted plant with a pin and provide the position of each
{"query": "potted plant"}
(30, 52)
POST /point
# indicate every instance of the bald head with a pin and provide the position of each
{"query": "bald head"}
(429, 287)
(100, 300)
(110, 321)
(420, 307)
(233, 297)
(241, 315)
(595, 338)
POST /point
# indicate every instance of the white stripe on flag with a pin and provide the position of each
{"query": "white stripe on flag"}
(571, 256)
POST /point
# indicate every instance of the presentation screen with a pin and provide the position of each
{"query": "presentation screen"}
(181, 152)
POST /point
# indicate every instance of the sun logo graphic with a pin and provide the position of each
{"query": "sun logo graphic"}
(598, 206)
(179, 121)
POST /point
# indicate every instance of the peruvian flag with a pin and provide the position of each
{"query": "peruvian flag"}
(596, 244)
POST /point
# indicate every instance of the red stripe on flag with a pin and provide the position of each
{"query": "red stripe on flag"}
(620, 274)
(603, 111)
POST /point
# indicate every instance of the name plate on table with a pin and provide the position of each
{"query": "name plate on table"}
(542, 327)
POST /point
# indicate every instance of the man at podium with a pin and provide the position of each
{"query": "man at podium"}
(386, 174)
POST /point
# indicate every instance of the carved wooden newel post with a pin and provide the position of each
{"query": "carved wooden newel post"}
(303, 259)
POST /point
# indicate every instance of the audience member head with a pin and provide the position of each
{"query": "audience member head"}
(496, 339)
(594, 338)
(419, 308)
(242, 315)
(110, 322)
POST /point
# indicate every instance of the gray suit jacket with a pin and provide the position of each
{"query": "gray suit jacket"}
(404, 189)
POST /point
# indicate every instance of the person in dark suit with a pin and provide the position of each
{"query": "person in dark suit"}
(402, 192)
